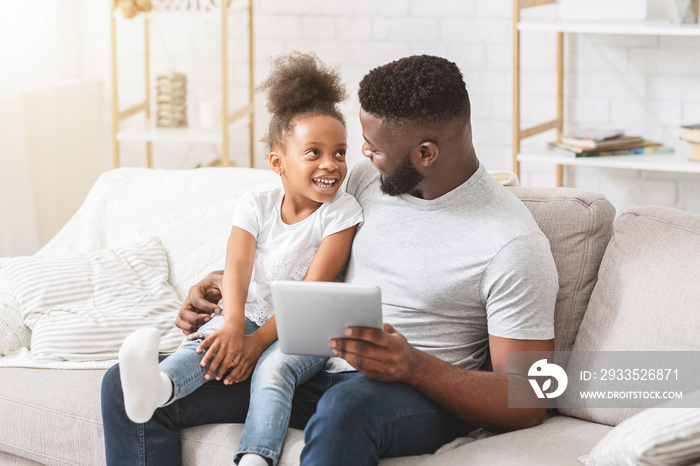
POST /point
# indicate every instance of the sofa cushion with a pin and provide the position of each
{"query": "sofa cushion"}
(646, 298)
(556, 442)
(13, 333)
(87, 304)
(578, 225)
(664, 436)
(52, 416)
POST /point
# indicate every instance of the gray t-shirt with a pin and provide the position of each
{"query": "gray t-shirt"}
(454, 269)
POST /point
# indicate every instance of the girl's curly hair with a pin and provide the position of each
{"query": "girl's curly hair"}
(300, 85)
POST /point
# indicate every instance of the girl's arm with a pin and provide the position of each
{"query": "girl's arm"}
(226, 344)
(331, 257)
(328, 262)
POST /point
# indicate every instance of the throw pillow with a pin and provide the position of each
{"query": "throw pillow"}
(81, 307)
(646, 297)
(13, 333)
(664, 436)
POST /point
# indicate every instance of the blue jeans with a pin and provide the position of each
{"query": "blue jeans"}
(183, 366)
(272, 386)
(356, 421)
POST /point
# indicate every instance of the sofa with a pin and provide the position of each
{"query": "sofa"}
(50, 405)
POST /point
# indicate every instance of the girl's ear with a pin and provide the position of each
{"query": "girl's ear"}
(276, 163)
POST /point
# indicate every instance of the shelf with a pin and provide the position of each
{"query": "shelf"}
(644, 28)
(213, 13)
(676, 163)
(143, 133)
(147, 132)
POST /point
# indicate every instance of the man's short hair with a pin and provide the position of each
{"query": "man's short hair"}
(420, 89)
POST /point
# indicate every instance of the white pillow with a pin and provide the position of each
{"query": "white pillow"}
(80, 308)
(662, 436)
(13, 333)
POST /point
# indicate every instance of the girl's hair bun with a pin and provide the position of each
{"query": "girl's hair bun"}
(300, 82)
(300, 85)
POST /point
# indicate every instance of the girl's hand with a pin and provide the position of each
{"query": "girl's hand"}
(225, 347)
(253, 348)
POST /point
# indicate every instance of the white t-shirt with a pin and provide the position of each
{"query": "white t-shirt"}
(284, 252)
(455, 269)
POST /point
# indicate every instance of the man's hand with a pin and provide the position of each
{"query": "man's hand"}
(200, 303)
(382, 355)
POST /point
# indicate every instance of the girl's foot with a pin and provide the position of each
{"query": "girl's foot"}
(145, 387)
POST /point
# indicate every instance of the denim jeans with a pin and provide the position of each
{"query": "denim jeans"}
(361, 420)
(183, 366)
(273, 382)
(356, 421)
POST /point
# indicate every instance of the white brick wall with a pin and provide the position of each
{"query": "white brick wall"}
(476, 34)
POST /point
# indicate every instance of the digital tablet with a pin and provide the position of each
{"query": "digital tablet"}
(309, 314)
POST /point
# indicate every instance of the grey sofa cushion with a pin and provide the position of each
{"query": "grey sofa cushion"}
(52, 416)
(578, 225)
(557, 442)
(647, 295)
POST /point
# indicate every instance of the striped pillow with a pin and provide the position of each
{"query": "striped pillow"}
(668, 435)
(80, 308)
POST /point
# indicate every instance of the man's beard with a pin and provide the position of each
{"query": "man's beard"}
(403, 180)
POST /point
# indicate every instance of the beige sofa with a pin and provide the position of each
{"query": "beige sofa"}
(51, 413)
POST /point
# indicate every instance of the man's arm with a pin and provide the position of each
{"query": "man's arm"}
(480, 398)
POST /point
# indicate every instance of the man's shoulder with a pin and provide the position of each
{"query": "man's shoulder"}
(361, 176)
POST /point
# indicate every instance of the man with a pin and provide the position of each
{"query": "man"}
(464, 272)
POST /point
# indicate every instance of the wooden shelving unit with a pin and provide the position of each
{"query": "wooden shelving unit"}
(149, 133)
(663, 162)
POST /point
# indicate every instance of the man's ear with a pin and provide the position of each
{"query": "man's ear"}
(276, 163)
(427, 152)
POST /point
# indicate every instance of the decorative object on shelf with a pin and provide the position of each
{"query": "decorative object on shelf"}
(188, 5)
(599, 139)
(684, 11)
(171, 100)
(638, 148)
(130, 8)
(691, 133)
(602, 10)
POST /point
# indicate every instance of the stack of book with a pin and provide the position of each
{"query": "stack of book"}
(691, 133)
(599, 143)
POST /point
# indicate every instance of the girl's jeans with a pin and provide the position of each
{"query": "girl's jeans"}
(272, 386)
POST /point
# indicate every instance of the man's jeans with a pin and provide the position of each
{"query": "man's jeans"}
(355, 423)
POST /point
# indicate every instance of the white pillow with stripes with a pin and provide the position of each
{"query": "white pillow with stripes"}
(663, 436)
(80, 308)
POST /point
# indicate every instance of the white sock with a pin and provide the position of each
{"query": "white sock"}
(251, 459)
(145, 386)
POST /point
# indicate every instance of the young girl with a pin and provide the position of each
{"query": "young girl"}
(303, 230)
